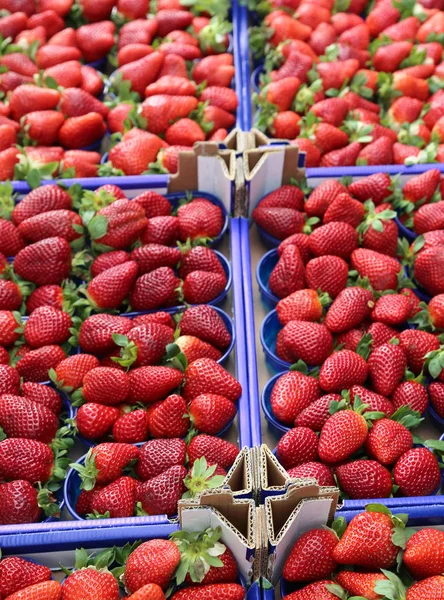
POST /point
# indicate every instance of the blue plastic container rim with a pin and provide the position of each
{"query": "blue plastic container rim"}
(272, 321)
(405, 231)
(266, 406)
(269, 259)
(438, 421)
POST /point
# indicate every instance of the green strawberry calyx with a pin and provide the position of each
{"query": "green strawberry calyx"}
(423, 318)
(128, 352)
(100, 561)
(199, 552)
(435, 362)
(88, 471)
(47, 503)
(174, 357)
(338, 591)
(201, 478)
(407, 417)
(302, 367)
(7, 200)
(373, 219)
(392, 588)
(358, 407)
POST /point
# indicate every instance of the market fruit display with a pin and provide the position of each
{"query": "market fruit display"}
(137, 84)
(353, 83)
(143, 570)
(355, 348)
(73, 367)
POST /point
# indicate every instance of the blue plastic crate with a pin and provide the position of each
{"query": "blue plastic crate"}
(263, 271)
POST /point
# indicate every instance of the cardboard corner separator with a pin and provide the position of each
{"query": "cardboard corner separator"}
(268, 164)
(206, 168)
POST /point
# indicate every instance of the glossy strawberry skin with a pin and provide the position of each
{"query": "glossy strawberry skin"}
(343, 434)
(292, 393)
(297, 446)
(417, 473)
(365, 479)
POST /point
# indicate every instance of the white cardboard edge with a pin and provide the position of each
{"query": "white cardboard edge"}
(266, 177)
(213, 178)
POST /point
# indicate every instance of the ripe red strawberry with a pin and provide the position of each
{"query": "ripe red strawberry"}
(150, 384)
(417, 473)
(412, 394)
(10, 295)
(161, 317)
(215, 450)
(416, 344)
(436, 392)
(23, 418)
(45, 262)
(199, 258)
(382, 271)
(311, 557)
(35, 364)
(155, 289)
(17, 574)
(108, 260)
(105, 385)
(152, 562)
(427, 270)
(46, 326)
(205, 323)
(142, 72)
(280, 222)
(124, 222)
(424, 553)
(194, 348)
(11, 239)
(10, 328)
(328, 274)
(342, 435)
(297, 446)
(9, 380)
(104, 463)
(210, 413)
(420, 189)
(322, 196)
(56, 223)
(115, 500)
(95, 40)
(69, 373)
(43, 126)
(184, 132)
(376, 187)
(200, 287)
(360, 584)
(304, 340)
(43, 394)
(76, 103)
(349, 309)
(43, 199)
(25, 99)
(386, 367)
(377, 530)
(29, 460)
(288, 275)
(393, 309)
(345, 209)
(207, 376)
(317, 412)
(94, 421)
(67, 75)
(166, 419)
(162, 109)
(154, 204)
(160, 494)
(338, 239)
(85, 579)
(224, 591)
(96, 332)
(331, 110)
(375, 402)
(199, 218)
(78, 132)
(161, 230)
(292, 393)
(145, 344)
(313, 470)
(286, 196)
(346, 157)
(317, 591)
(157, 456)
(111, 288)
(302, 305)
(364, 479)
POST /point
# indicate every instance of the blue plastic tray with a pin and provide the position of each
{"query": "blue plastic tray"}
(263, 271)
(270, 328)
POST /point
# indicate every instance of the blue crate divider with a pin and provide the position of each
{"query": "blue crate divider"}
(267, 590)
(242, 52)
(426, 513)
(405, 231)
(256, 433)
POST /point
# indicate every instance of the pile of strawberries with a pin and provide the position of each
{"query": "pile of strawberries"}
(133, 377)
(173, 80)
(354, 83)
(362, 342)
(144, 570)
(374, 556)
(162, 472)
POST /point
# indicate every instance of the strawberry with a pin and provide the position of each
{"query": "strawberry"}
(10, 323)
(378, 152)
(421, 188)
(376, 187)
(205, 376)
(360, 584)
(224, 591)
(152, 562)
(194, 348)
(9, 380)
(96, 11)
(108, 260)
(210, 413)
(279, 222)
(376, 529)
(30, 460)
(58, 223)
(10, 295)
(199, 218)
(35, 364)
(161, 230)
(110, 288)
(76, 102)
(344, 157)
(166, 419)
(142, 72)
(91, 81)
(205, 323)
(160, 494)
(364, 479)
(23, 418)
(82, 580)
(95, 40)
(105, 385)
(69, 373)
(155, 289)
(297, 446)
(436, 393)
(305, 562)
(417, 473)
(301, 241)
(96, 332)
(11, 25)
(145, 345)
(317, 412)
(344, 209)
(215, 450)
(328, 138)
(312, 153)
(157, 456)
(288, 275)
(150, 384)
(78, 132)
(428, 218)
(151, 591)
(115, 500)
(431, 587)
(420, 548)
(8, 136)
(18, 574)
(47, 590)
(292, 393)
(307, 341)
(134, 155)
(123, 221)
(45, 262)
(384, 241)
(412, 394)
(427, 270)
(382, 271)
(416, 344)
(46, 326)
(328, 274)
(184, 132)
(386, 367)
(302, 305)
(152, 256)
(375, 402)
(43, 199)
(313, 470)
(8, 160)
(43, 126)
(338, 239)
(200, 287)
(49, 56)
(334, 75)
(94, 421)
(104, 463)
(393, 309)
(331, 110)
(349, 309)
(19, 505)
(317, 591)
(342, 435)
(160, 110)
